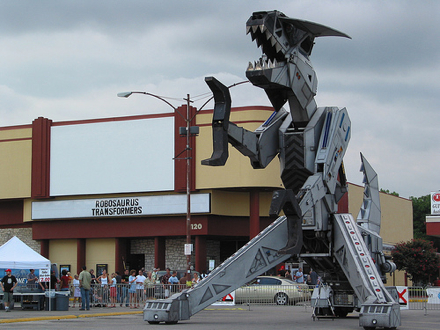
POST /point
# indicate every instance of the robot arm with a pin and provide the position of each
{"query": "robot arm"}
(220, 122)
(260, 146)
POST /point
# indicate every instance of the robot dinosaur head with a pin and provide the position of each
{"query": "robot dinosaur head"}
(284, 70)
(279, 35)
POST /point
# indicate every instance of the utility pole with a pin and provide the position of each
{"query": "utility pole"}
(188, 248)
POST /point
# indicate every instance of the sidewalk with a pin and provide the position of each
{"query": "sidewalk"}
(27, 315)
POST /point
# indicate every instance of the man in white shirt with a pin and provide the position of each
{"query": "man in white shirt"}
(140, 285)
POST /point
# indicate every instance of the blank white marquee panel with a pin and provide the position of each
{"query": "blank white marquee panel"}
(112, 157)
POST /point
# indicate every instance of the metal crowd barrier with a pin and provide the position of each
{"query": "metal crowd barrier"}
(420, 298)
(130, 296)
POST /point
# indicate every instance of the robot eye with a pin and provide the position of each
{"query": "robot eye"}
(289, 28)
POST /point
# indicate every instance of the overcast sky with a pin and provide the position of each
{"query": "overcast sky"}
(67, 60)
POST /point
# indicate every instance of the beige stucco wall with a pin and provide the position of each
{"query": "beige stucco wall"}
(238, 171)
(237, 203)
(63, 252)
(98, 251)
(15, 173)
(396, 222)
(101, 251)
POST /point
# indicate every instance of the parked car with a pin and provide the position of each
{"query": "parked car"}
(180, 273)
(272, 289)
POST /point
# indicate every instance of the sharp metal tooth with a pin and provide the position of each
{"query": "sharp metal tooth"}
(258, 66)
(254, 28)
(248, 29)
(275, 62)
(278, 47)
(258, 42)
(268, 35)
(250, 67)
(273, 41)
(262, 28)
(269, 64)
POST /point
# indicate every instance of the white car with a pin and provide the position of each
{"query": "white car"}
(272, 289)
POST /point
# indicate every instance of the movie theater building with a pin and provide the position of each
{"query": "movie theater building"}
(113, 192)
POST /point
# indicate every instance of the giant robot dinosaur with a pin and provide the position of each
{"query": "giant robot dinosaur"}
(310, 142)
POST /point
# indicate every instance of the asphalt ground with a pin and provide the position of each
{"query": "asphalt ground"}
(214, 317)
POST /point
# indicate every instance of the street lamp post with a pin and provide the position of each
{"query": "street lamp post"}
(188, 130)
(188, 190)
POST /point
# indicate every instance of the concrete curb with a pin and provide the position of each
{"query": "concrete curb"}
(65, 317)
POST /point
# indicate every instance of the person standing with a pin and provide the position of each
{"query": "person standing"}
(70, 283)
(132, 288)
(8, 287)
(92, 273)
(32, 279)
(313, 277)
(299, 275)
(104, 281)
(64, 286)
(166, 277)
(85, 280)
(76, 290)
(53, 280)
(195, 279)
(154, 275)
(125, 285)
(173, 280)
(113, 293)
(118, 287)
(164, 281)
(140, 286)
(149, 286)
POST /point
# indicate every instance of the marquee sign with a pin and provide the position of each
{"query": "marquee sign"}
(120, 207)
(435, 203)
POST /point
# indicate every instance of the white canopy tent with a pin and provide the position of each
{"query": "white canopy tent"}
(15, 254)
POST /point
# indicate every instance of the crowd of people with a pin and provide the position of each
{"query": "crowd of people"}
(134, 287)
(298, 276)
(131, 288)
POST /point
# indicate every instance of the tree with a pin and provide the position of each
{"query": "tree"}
(418, 258)
(422, 208)
(389, 192)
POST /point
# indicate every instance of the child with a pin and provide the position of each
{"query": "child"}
(113, 290)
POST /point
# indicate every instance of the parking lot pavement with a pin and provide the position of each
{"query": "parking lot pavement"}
(244, 317)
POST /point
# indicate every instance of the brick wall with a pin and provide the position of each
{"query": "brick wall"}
(24, 234)
(174, 254)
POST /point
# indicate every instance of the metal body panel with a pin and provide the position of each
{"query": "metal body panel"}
(369, 215)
